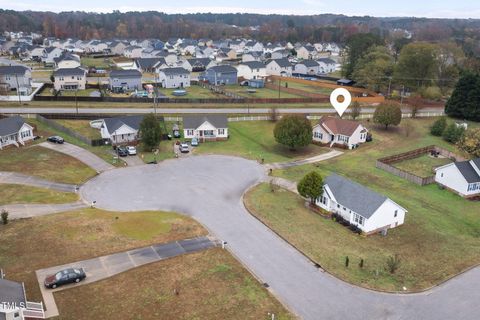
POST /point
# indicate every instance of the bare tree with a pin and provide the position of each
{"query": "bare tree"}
(356, 109)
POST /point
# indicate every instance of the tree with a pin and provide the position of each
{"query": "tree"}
(356, 46)
(388, 114)
(4, 216)
(150, 132)
(470, 142)
(293, 131)
(465, 100)
(439, 127)
(311, 186)
(374, 69)
(417, 65)
(355, 110)
(453, 133)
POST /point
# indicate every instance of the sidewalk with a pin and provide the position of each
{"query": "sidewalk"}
(19, 211)
(107, 266)
(18, 178)
(319, 158)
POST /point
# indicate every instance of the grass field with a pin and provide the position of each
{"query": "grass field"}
(193, 92)
(440, 237)
(307, 88)
(422, 166)
(82, 127)
(99, 63)
(13, 194)
(254, 140)
(45, 163)
(260, 93)
(210, 285)
(79, 93)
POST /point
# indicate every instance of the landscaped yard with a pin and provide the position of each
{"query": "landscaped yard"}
(440, 237)
(211, 284)
(14, 193)
(422, 166)
(45, 163)
(254, 140)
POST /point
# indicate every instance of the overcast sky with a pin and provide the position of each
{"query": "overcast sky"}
(379, 8)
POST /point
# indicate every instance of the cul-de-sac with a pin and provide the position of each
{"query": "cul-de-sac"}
(269, 161)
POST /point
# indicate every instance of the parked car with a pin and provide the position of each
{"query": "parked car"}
(131, 150)
(176, 131)
(56, 139)
(194, 142)
(184, 148)
(71, 275)
(122, 151)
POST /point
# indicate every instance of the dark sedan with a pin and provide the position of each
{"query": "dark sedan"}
(63, 277)
(122, 151)
(56, 139)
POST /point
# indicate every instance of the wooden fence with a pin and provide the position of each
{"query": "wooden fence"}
(386, 163)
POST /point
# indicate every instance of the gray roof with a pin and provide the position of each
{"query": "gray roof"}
(69, 72)
(254, 64)
(284, 63)
(326, 61)
(149, 63)
(12, 292)
(309, 63)
(467, 170)
(223, 69)
(18, 70)
(199, 62)
(125, 74)
(193, 122)
(9, 126)
(115, 123)
(354, 196)
(174, 71)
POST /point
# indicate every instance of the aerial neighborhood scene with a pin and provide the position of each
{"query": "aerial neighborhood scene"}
(289, 160)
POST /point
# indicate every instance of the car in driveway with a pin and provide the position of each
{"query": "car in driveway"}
(132, 151)
(184, 148)
(66, 276)
(194, 142)
(56, 139)
(122, 151)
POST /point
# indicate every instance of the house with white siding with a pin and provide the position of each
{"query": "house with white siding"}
(121, 130)
(172, 78)
(70, 79)
(133, 52)
(370, 211)
(252, 70)
(327, 65)
(279, 67)
(462, 177)
(205, 127)
(307, 67)
(14, 131)
(335, 131)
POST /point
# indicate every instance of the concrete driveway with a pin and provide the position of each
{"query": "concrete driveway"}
(85, 156)
(210, 189)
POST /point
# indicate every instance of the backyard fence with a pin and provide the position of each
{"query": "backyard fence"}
(386, 163)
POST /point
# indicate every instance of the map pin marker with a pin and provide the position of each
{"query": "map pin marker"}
(340, 107)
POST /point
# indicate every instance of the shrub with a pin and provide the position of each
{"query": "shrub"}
(439, 127)
(293, 131)
(453, 133)
(4, 216)
(393, 263)
(431, 93)
(470, 142)
(387, 115)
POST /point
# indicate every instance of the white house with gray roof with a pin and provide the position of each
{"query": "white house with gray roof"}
(172, 78)
(16, 78)
(279, 67)
(205, 127)
(125, 80)
(14, 131)
(14, 304)
(70, 79)
(462, 177)
(121, 130)
(307, 67)
(252, 70)
(327, 65)
(368, 210)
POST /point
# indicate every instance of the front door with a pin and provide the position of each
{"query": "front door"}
(332, 137)
(201, 133)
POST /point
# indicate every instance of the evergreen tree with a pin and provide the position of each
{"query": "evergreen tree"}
(438, 127)
(311, 186)
(293, 131)
(150, 132)
(453, 133)
(465, 100)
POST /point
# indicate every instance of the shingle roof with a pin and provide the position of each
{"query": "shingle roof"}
(339, 126)
(326, 61)
(223, 69)
(12, 292)
(10, 125)
(148, 63)
(125, 74)
(354, 196)
(467, 171)
(254, 64)
(309, 63)
(193, 122)
(284, 63)
(174, 71)
(69, 72)
(18, 70)
(115, 123)
(199, 61)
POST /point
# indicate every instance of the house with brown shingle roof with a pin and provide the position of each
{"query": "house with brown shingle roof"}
(336, 131)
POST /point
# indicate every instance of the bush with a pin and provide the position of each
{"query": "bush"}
(4, 216)
(431, 93)
(439, 127)
(293, 131)
(393, 263)
(470, 142)
(453, 134)
(311, 186)
(387, 115)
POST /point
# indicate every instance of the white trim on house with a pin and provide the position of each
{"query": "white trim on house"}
(206, 131)
(17, 138)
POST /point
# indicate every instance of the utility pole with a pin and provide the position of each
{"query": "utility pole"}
(401, 95)
(389, 86)
(279, 83)
(18, 90)
(76, 101)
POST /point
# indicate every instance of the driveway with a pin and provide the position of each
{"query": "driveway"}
(210, 189)
(85, 156)
(18, 178)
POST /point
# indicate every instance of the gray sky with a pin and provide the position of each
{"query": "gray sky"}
(424, 8)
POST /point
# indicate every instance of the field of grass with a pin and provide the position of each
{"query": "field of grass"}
(254, 140)
(260, 93)
(32, 244)
(193, 92)
(14, 193)
(422, 166)
(210, 285)
(307, 88)
(45, 163)
(79, 93)
(82, 127)
(99, 63)
(41, 74)
(440, 237)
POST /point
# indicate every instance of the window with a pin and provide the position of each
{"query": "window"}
(396, 213)
(318, 135)
(221, 131)
(441, 175)
(358, 219)
(190, 132)
(338, 206)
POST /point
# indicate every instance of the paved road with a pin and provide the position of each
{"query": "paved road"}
(19, 211)
(18, 178)
(91, 160)
(107, 266)
(210, 189)
(252, 111)
(296, 163)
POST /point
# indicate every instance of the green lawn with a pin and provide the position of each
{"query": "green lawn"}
(422, 166)
(99, 63)
(254, 140)
(307, 88)
(79, 93)
(82, 127)
(45, 163)
(14, 193)
(193, 92)
(260, 93)
(440, 237)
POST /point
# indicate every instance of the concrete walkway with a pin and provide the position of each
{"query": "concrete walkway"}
(81, 154)
(18, 178)
(107, 266)
(19, 211)
(319, 158)
(284, 183)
